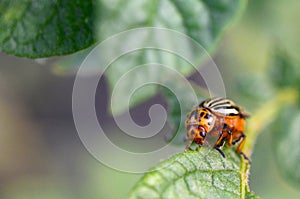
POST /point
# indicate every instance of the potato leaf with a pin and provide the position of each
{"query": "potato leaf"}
(198, 174)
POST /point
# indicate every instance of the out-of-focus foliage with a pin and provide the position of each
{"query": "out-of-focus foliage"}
(286, 142)
(203, 21)
(284, 71)
(46, 28)
(285, 74)
(64, 27)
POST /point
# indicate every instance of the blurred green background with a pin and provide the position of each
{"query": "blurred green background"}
(42, 156)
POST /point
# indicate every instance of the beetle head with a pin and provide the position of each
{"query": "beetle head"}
(198, 135)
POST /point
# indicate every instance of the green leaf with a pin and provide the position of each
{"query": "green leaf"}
(201, 174)
(284, 71)
(203, 21)
(286, 141)
(46, 28)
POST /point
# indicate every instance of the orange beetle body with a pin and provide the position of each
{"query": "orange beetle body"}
(220, 118)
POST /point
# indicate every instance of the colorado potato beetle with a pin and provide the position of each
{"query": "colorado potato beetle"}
(220, 118)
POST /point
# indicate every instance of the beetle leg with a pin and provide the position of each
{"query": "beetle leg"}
(246, 157)
(220, 151)
(240, 147)
(188, 146)
(239, 138)
(226, 129)
(219, 143)
(230, 137)
(243, 139)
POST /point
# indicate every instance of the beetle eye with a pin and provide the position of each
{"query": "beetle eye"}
(202, 134)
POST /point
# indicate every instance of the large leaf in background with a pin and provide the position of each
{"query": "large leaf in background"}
(286, 142)
(201, 174)
(45, 28)
(203, 21)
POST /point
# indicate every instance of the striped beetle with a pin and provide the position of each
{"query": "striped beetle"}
(220, 118)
